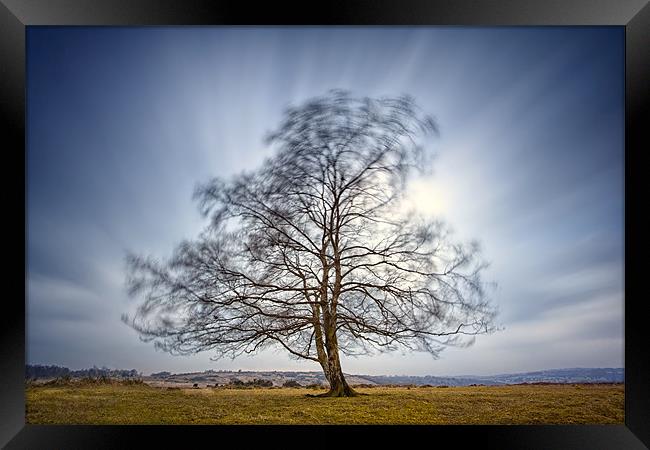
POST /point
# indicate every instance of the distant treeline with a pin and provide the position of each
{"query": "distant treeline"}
(257, 382)
(427, 380)
(39, 371)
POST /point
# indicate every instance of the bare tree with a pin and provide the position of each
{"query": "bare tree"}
(313, 253)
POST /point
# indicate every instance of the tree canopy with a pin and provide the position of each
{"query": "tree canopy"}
(313, 251)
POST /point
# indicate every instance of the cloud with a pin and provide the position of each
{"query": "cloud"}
(56, 299)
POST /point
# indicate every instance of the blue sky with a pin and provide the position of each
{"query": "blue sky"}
(123, 122)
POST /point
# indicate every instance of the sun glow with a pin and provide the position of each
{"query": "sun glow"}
(426, 196)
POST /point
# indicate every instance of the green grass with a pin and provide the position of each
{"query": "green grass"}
(142, 404)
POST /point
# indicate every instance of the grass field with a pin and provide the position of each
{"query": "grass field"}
(142, 404)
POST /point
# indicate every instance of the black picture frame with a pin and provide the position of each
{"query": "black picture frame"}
(16, 15)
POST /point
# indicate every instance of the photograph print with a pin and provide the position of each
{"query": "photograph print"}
(325, 225)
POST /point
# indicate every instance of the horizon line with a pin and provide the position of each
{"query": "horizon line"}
(349, 374)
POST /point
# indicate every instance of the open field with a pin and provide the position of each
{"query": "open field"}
(142, 404)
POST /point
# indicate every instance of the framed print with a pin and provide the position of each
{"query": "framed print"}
(412, 218)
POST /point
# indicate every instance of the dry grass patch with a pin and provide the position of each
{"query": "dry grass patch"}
(141, 404)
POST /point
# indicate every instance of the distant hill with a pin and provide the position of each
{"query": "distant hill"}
(278, 378)
(576, 375)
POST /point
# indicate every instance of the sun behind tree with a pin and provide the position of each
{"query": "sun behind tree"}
(311, 253)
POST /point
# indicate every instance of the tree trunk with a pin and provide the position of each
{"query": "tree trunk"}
(338, 386)
(320, 347)
(332, 364)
